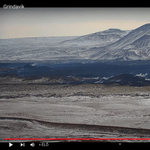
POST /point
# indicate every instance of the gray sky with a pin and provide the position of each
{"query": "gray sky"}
(46, 22)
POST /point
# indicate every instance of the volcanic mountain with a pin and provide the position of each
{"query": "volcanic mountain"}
(111, 44)
(101, 39)
(134, 46)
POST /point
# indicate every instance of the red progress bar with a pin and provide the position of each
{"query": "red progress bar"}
(72, 139)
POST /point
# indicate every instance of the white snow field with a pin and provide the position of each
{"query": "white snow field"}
(81, 111)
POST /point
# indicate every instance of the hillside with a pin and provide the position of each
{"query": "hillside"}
(111, 44)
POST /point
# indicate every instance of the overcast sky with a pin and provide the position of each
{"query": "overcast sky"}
(46, 22)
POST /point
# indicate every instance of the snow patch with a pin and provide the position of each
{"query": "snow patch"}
(141, 75)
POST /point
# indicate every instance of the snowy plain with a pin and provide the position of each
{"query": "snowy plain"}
(72, 109)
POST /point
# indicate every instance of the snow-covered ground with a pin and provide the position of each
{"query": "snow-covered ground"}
(30, 110)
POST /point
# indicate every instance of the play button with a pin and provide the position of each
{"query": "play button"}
(10, 144)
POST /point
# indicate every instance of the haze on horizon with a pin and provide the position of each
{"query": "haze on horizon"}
(47, 22)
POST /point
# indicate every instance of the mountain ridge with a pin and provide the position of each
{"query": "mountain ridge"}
(124, 49)
(109, 45)
(133, 32)
(101, 38)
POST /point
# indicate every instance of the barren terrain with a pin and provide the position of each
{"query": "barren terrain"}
(80, 111)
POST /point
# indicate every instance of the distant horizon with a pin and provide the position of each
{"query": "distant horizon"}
(37, 37)
(62, 35)
(58, 22)
(66, 35)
